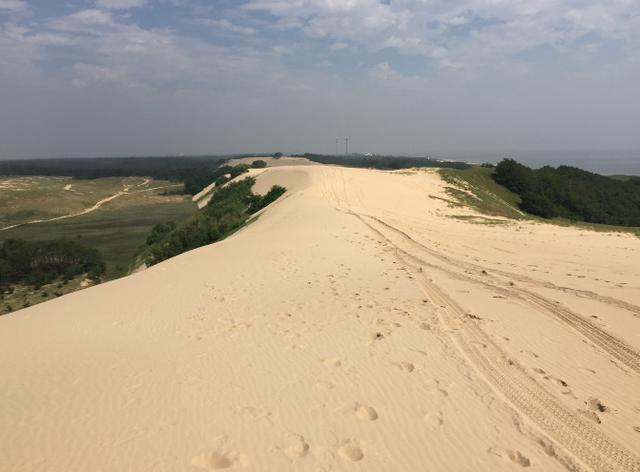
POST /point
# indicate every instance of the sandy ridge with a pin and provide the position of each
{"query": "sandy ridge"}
(353, 326)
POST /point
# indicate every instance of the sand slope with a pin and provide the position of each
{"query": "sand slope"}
(353, 326)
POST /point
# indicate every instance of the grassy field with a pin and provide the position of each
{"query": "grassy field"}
(474, 188)
(24, 199)
(117, 228)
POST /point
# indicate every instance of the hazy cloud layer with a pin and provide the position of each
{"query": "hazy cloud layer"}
(130, 77)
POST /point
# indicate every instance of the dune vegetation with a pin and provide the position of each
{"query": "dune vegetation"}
(572, 193)
(227, 211)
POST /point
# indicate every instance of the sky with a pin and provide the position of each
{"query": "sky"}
(170, 77)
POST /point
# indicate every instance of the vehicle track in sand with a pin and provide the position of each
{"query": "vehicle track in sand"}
(630, 307)
(510, 380)
(473, 273)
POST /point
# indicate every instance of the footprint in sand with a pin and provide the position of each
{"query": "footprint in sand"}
(218, 459)
(366, 413)
(590, 415)
(595, 405)
(295, 446)
(514, 456)
(406, 366)
(433, 420)
(332, 362)
(377, 336)
(351, 451)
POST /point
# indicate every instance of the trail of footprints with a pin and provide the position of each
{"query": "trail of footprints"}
(350, 450)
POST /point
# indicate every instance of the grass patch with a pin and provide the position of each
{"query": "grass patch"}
(24, 199)
(474, 188)
(116, 232)
(479, 220)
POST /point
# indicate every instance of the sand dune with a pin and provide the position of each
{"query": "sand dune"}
(354, 326)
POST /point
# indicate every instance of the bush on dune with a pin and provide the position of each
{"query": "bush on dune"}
(227, 211)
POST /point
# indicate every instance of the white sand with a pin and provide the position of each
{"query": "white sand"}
(351, 327)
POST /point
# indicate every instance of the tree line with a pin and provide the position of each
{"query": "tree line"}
(227, 211)
(42, 262)
(572, 193)
(382, 162)
(164, 168)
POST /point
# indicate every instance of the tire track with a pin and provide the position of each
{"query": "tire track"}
(588, 445)
(610, 344)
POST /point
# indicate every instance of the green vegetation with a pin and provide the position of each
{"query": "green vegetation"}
(195, 172)
(117, 231)
(41, 262)
(163, 168)
(25, 199)
(159, 231)
(220, 176)
(383, 162)
(475, 187)
(258, 202)
(228, 210)
(258, 164)
(571, 193)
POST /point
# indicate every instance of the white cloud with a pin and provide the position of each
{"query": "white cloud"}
(13, 5)
(482, 91)
(226, 25)
(463, 33)
(120, 4)
(83, 20)
(86, 73)
(382, 71)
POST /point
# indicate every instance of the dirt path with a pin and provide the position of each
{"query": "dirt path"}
(126, 191)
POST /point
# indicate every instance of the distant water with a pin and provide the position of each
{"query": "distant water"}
(601, 162)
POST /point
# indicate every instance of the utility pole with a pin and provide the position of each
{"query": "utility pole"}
(337, 139)
(346, 146)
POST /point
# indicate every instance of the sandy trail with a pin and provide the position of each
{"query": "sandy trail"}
(125, 191)
(353, 326)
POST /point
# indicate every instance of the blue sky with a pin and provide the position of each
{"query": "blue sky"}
(140, 77)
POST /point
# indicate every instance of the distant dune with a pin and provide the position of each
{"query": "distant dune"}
(355, 325)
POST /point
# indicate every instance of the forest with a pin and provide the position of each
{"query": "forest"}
(162, 168)
(227, 211)
(572, 193)
(382, 162)
(38, 263)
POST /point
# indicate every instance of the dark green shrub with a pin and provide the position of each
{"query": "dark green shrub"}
(572, 193)
(227, 211)
(39, 263)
